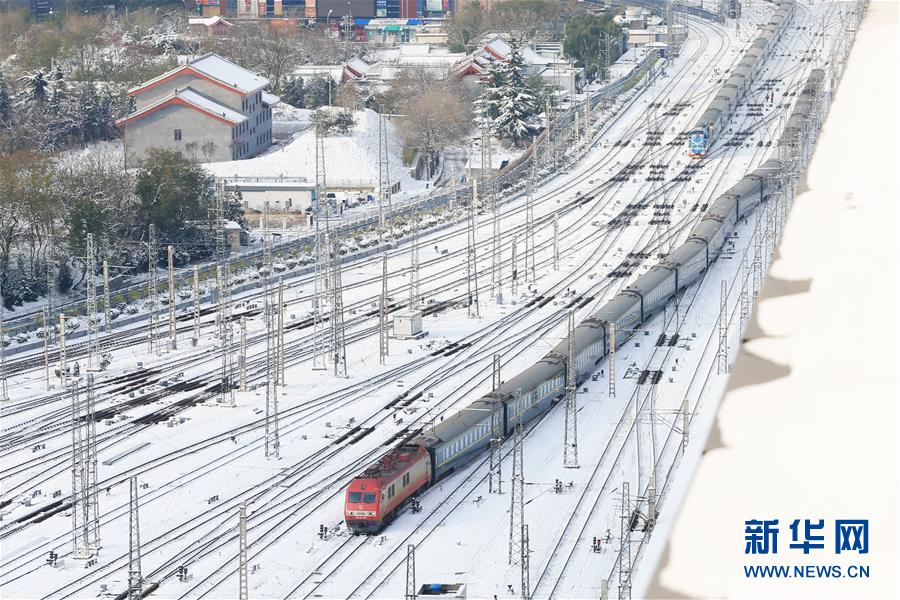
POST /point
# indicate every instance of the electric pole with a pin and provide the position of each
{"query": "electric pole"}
(337, 314)
(722, 355)
(135, 581)
(570, 443)
(471, 258)
(517, 497)
(382, 313)
(173, 332)
(152, 292)
(495, 481)
(410, 572)
(85, 513)
(90, 284)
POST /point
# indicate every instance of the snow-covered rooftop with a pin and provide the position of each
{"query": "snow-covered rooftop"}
(226, 71)
(208, 21)
(270, 99)
(192, 99)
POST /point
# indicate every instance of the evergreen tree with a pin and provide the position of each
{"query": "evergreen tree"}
(292, 91)
(64, 278)
(517, 103)
(487, 106)
(5, 103)
(88, 107)
(37, 84)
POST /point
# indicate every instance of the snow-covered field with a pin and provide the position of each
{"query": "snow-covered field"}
(351, 159)
(199, 465)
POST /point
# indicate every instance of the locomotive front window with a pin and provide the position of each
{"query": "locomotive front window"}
(360, 497)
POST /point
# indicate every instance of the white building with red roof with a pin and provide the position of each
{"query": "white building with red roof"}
(208, 108)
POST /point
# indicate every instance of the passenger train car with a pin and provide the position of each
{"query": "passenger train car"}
(719, 111)
(429, 454)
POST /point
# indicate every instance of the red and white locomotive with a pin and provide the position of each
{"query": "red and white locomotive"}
(372, 499)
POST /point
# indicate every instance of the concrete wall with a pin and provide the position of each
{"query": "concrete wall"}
(157, 130)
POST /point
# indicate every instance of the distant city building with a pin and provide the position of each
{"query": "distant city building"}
(214, 26)
(208, 108)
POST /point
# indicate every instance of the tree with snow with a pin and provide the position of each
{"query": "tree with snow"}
(517, 104)
(5, 104)
(487, 105)
(36, 84)
(292, 91)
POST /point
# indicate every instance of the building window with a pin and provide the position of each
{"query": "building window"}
(177, 135)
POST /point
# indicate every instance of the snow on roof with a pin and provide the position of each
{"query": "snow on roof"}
(270, 99)
(193, 99)
(208, 21)
(217, 68)
(227, 72)
(358, 65)
(335, 72)
(501, 47)
(206, 103)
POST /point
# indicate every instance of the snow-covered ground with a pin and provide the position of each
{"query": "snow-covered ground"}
(208, 451)
(351, 159)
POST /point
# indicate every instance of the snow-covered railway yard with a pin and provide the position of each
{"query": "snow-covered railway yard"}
(197, 460)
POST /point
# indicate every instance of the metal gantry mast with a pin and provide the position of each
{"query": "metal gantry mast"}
(745, 303)
(271, 428)
(471, 258)
(4, 390)
(612, 359)
(90, 285)
(85, 511)
(279, 340)
(152, 293)
(556, 241)
(135, 581)
(45, 321)
(196, 305)
(320, 337)
(722, 354)
(244, 588)
(517, 497)
(173, 332)
(242, 356)
(106, 305)
(339, 349)
(625, 545)
(514, 283)
(530, 275)
(63, 367)
(495, 480)
(414, 263)
(410, 572)
(382, 313)
(384, 178)
(570, 441)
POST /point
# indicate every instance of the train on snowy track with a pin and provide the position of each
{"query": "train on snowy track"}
(427, 455)
(708, 126)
